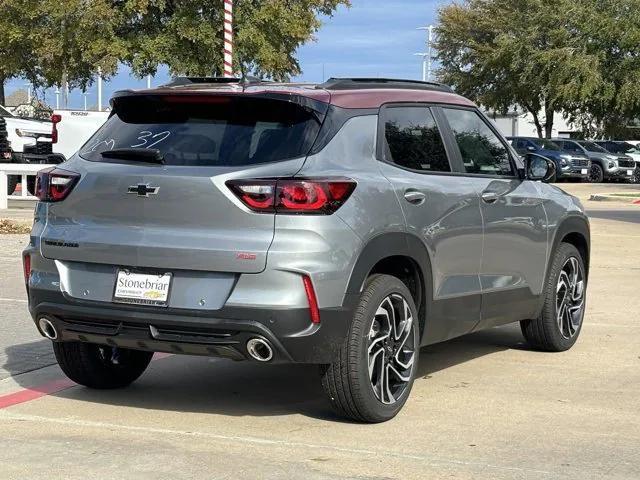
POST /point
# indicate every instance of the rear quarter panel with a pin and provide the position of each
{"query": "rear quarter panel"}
(327, 247)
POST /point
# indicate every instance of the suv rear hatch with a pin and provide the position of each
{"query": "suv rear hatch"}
(179, 214)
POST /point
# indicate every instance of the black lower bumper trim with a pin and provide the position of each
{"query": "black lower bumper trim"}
(224, 332)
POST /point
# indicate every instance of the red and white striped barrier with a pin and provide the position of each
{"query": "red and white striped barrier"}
(228, 38)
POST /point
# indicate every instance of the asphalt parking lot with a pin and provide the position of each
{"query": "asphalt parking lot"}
(483, 406)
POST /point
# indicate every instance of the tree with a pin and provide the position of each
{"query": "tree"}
(524, 53)
(65, 42)
(16, 55)
(74, 39)
(188, 37)
(54, 42)
(610, 32)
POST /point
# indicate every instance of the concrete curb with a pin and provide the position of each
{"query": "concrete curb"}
(602, 197)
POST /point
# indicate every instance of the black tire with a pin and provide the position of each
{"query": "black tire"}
(347, 381)
(545, 333)
(13, 181)
(596, 174)
(94, 365)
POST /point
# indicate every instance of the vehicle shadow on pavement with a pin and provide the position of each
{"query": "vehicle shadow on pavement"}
(26, 357)
(223, 387)
(441, 356)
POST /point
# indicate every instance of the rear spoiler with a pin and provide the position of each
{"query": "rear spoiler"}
(318, 107)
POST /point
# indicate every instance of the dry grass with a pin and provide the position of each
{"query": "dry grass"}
(626, 194)
(11, 226)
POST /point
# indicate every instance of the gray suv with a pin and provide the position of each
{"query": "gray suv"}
(345, 224)
(604, 164)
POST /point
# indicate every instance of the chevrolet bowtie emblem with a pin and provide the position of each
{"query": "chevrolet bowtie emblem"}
(143, 190)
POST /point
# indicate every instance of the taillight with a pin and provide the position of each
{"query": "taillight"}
(293, 195)
(55, 120)
(54, 184)
(26, 266)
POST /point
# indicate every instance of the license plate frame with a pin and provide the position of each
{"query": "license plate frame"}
(153, 296)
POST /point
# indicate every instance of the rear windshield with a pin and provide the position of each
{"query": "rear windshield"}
(592, 147)
(546, 144)
(207, 131)
(628, 148)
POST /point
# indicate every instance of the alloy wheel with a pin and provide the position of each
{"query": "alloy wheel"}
(570, 297)
(391, 349)
(595, 174)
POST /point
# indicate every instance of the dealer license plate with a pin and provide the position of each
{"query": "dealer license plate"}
(629, 172)
(142, 288)
(584, 171)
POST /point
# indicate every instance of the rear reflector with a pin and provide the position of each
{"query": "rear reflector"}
(312, 299)
(293, 195)
(54, 184)
(26, 266)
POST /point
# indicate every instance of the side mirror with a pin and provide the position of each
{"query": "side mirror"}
(538, 167)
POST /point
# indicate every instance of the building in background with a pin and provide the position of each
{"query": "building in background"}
(517, 123)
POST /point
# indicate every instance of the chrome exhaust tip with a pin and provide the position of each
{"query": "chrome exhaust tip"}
(259, 349)
(47, 328)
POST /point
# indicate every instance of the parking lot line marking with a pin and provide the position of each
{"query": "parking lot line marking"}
(433, 461)
(19, 300)
(32, 393)
(53, 386)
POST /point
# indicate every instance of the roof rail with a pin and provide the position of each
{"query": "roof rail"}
(178, 81)
(364, 83)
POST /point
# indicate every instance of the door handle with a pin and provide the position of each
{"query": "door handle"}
(415, 197)
(489, 197)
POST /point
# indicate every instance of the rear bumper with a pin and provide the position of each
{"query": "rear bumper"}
(223, 332)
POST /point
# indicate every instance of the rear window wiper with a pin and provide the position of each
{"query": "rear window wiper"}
(148, 155)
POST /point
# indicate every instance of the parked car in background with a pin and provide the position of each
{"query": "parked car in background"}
(620, 147)
(29, 141)
(75, 127)
(605, 165)
(35, 141)
(568, 164)
(345, 224)
(5, 147)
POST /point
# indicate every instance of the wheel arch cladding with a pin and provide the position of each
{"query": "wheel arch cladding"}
(402, 255)
(575, 231)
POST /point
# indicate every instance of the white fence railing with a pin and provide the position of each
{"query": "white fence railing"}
(24, 170)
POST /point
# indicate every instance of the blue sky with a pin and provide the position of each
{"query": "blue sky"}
(372, 38)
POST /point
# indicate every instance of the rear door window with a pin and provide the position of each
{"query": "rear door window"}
(412, 139)
(207, 130)
(482, 150)
(571, 147)
(520, 145)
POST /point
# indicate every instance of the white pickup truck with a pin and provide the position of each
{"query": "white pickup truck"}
(33, 141)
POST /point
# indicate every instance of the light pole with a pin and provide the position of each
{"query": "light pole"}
(427, 57)
(99, 89)
(57, 98)
(424, 64)
(28, 85)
